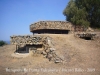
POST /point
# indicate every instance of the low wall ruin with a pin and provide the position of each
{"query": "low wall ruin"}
(35, 45)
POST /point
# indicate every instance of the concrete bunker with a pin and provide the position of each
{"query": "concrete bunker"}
(86, 36)
(51, 27)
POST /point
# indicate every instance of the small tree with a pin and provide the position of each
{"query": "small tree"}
(2, 43)
(83, 12)
(78, 16)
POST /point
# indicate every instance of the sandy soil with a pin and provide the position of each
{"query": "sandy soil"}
(81, 57)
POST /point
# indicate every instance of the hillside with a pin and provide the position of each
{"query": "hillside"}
(81, 57)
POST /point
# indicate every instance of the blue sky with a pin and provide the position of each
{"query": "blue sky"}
(17, 15)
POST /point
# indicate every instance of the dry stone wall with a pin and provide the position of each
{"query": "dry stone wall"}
(27, 39)
(61, 25)
(49, 51)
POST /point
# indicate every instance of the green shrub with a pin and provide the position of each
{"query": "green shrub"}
(2, 43)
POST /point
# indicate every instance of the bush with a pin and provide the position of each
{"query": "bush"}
(2, 43)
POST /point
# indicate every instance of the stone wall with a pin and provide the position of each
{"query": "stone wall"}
(61, 25)
(26, 39)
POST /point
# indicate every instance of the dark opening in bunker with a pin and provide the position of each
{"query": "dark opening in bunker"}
(51, 31)
(87, 38)
(27, 47)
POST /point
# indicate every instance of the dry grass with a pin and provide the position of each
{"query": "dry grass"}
(78, 55)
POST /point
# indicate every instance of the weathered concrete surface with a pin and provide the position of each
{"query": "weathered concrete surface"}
(61, 25)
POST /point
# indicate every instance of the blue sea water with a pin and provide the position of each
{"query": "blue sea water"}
(8, 42)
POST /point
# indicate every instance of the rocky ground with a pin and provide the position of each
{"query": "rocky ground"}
(81, 57)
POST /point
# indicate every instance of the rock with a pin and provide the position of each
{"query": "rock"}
(52, 49)
(57, 60)
(54, 55)
(44, 53)
(62, 57)
(48, 50)
(90, 29)
(45, 56)
(49, 43)
(49, 56)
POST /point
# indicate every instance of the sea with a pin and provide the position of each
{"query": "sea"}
(8, 42)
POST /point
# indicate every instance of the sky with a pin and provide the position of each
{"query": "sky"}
(17, 15)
